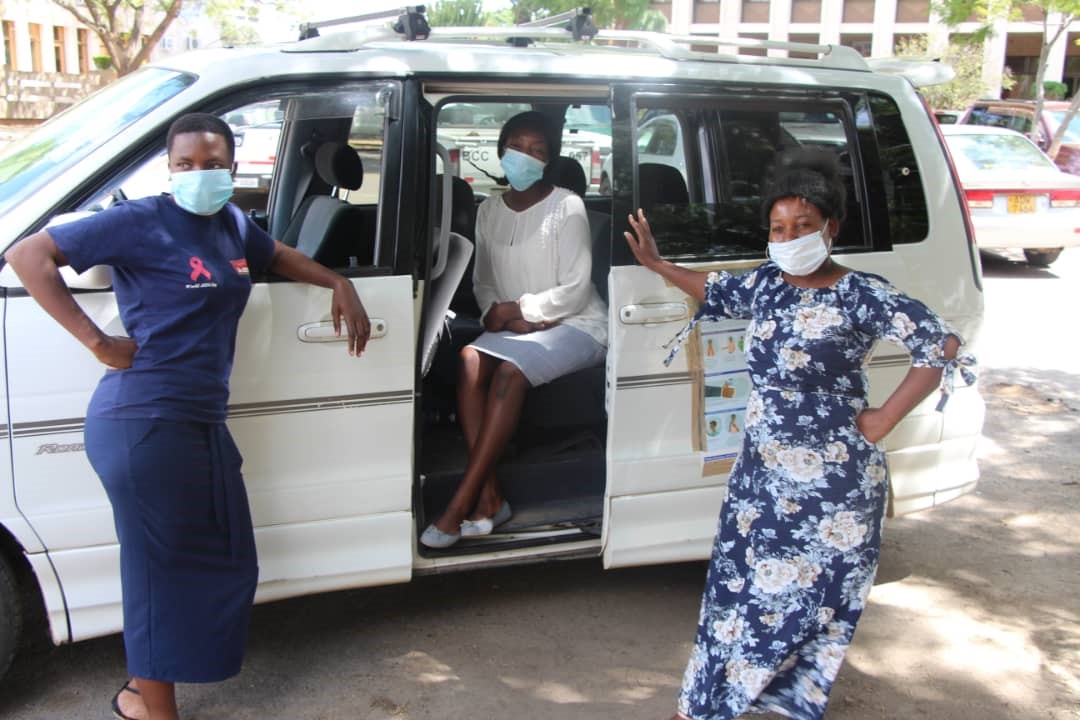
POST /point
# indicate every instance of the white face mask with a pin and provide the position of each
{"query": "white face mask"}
(800, 256)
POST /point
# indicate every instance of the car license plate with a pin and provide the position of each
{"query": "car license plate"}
(1021, 203)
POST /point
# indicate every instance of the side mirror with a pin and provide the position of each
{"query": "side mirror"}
(98, 277)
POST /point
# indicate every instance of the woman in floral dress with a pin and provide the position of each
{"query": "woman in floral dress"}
(800, 532)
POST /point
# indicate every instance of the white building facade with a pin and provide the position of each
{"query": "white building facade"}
(874, 27)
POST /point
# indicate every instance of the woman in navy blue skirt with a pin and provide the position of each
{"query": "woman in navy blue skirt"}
(155, 428)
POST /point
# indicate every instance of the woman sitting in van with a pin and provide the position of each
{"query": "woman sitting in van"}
(542, 316)
(800, 533)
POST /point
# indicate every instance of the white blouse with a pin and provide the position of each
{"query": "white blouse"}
(542, 258)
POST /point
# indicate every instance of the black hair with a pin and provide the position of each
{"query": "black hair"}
(810, 174)
(201, 123)
(535, 121)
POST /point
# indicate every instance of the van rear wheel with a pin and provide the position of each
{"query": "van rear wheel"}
(11, 615)
(1041, 257)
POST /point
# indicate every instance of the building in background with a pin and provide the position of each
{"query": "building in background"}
(49, 56)
(875, 27)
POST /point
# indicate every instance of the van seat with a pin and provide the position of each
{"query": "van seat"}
(327, 229)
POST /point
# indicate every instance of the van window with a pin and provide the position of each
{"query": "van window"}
(470, 132)
(702, 169)
(898, 179)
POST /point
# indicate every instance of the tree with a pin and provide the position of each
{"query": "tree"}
(238, 20)
(623, 14)
(965, 59)
(954, 12)
(457, 13)
(121, 26)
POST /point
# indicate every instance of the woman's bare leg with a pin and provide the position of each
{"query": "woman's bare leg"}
(474, 379)
(156, 700)
(505, 397)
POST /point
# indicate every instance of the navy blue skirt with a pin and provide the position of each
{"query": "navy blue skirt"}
(187, 548)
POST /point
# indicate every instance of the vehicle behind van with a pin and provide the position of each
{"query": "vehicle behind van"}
(347, 460)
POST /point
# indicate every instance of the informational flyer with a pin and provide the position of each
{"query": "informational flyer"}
(726, 387)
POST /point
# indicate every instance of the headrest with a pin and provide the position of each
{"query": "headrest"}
(339, 165)
(661, 184)
(567, 173)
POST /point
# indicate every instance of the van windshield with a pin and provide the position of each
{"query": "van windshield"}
(33, 161)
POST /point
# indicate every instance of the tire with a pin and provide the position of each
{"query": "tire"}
(1042, 257)
(11, 615)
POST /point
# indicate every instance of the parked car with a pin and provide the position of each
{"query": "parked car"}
(346, 460)
(256, 153)
(948, 117)
(1019, 114)
(1016, 195)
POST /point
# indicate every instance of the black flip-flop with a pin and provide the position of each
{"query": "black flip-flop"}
(116, 701)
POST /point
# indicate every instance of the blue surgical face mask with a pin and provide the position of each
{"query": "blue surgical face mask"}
(523, 171)
(203, 192)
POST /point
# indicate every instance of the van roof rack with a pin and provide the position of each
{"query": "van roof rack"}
(570, 26)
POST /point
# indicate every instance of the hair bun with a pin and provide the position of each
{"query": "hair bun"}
(812, 174)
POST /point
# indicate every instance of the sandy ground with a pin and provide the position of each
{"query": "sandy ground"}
(975, 615)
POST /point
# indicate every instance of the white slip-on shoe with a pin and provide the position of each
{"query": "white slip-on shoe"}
(436, 539)
(484, 526)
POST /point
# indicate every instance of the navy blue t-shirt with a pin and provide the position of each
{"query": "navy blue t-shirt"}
(181, 282)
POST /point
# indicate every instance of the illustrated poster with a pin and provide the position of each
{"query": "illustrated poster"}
(726, 387)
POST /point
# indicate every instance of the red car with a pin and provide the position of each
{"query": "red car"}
(1018, 114)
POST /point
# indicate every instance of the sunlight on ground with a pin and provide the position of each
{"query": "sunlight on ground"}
(999, 655)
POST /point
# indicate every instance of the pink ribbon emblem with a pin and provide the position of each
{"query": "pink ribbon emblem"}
(197, 269)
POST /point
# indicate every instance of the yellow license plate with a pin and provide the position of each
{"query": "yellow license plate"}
(1021, 203)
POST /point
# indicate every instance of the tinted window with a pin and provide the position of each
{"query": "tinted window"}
(702, 170)
(897, 175)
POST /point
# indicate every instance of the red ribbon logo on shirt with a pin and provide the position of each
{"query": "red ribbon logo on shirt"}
(197, 269)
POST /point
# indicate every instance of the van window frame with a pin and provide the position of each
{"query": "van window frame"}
(862, 148)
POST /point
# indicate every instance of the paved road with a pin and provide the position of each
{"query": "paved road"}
(975, 614)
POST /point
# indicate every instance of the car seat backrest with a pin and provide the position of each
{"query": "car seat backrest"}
(325, 228)
(567, 173)
(462, 206)
(661, 185)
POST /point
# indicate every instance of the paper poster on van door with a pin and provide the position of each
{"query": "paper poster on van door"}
(726, 387)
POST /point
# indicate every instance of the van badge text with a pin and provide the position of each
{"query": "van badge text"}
(57, 448)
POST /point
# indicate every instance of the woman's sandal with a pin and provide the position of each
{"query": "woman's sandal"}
(117, 713)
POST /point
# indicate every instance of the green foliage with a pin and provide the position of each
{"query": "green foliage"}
(457, 13)
(238, 20)
(624, 14)
(1054, 90)
(102, 62)
(966, 60)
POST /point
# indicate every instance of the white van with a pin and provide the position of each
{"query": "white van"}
(347, 460)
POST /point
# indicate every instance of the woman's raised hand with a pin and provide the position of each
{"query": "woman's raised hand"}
(641, 241)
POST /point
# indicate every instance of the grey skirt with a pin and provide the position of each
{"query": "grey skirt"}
(544, 355)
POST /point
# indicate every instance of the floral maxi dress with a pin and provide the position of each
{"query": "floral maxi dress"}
(800, 532)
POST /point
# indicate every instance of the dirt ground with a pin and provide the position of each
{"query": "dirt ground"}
(975, 614)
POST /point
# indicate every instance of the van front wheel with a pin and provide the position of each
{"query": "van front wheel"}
(1042, 257)
(11, 615)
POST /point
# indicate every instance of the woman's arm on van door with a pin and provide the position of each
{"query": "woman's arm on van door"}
(37, 261)
(345, 305)
(643, 245)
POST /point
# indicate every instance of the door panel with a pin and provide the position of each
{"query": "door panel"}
(326, 440)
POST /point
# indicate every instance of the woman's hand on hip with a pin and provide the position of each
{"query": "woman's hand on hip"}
(641, 241)
(874, 424)
(346, 309)
(116, 352)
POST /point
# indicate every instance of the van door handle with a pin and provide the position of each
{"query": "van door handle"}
(320, 332)
(653, 313)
